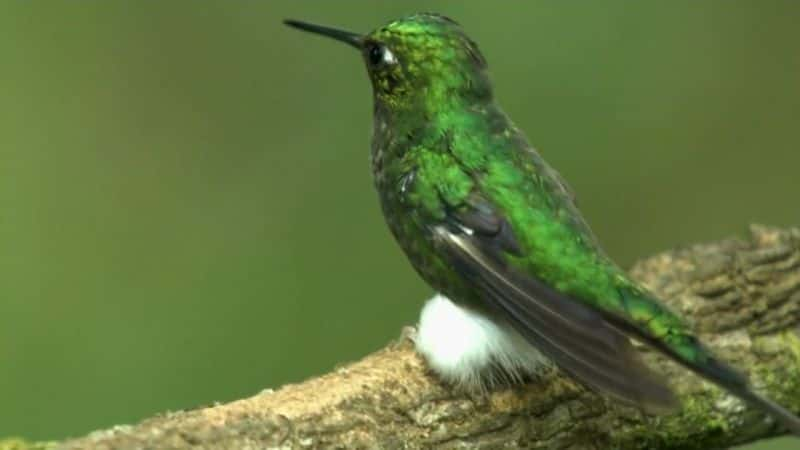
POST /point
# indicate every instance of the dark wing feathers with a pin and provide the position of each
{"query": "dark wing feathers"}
(577, 338)
(482, 220)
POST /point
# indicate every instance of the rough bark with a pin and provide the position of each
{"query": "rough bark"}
(743, 296)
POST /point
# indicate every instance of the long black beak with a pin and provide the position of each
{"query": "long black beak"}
(353, 39)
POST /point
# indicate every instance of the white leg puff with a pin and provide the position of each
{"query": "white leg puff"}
(467, 349)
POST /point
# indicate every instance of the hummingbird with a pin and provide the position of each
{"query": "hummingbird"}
(522, 281)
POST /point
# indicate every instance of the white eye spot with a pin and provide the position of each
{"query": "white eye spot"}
(388, 57)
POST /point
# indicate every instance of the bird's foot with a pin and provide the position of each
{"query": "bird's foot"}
(407, 335)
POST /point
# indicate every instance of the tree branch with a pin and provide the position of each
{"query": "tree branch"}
(743, 295)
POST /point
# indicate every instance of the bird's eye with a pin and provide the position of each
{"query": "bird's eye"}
(375, 54)
(378, 54)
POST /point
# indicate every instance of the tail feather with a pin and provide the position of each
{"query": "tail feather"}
(685, 349)
(720, 373)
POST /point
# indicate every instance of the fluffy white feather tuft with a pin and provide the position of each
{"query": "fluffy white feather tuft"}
(471, 351)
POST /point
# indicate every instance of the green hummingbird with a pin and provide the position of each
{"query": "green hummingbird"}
(487, 223)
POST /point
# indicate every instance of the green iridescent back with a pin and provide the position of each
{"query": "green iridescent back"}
(436, 121)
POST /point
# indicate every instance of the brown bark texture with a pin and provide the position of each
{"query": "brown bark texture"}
(742, 295)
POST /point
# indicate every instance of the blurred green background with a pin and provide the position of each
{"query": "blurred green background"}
(186, 208)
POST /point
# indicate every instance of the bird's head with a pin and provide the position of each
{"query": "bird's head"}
(423, 60)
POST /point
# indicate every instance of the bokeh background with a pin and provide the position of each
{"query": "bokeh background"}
(186, 208)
